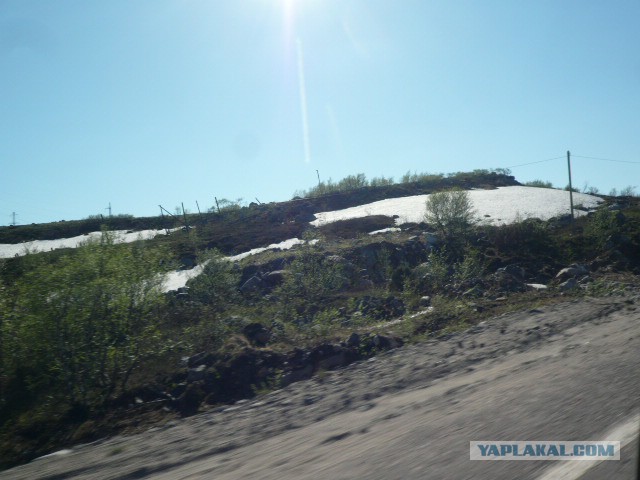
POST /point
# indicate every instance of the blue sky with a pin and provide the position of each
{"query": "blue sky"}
(149, 102)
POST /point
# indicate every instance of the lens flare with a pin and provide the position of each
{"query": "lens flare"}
(303, 103)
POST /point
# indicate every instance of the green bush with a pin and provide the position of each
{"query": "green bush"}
(601, 226)
(451, 213)
(310, 277)
(217, 285)
(438, 270)
(80, 327)
(539, 184)
(470, 267)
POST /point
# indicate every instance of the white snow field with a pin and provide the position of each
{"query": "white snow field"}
(501, 206)
(8, 250)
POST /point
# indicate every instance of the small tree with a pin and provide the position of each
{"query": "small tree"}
(451, 213)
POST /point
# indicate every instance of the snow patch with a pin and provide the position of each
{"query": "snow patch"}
(8, 250)
(385, 230)
(503, 205)
(179, 278)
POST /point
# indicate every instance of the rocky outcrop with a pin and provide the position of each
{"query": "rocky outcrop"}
(225, 377)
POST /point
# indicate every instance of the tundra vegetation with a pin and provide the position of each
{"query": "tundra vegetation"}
(90, 345)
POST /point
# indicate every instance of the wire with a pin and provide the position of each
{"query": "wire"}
(539, 161)
(604, 159)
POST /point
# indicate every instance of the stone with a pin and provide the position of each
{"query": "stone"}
(572, 271)
(353, 340)
(197, 359)
(514, 270)
(273, 279)
(189, 402)
(425, 301)
(257, 334)
(196, 374)
(569, 284)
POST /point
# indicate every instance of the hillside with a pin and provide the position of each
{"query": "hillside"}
(93, 346)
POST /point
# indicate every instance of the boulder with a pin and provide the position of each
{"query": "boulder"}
(187, 262)
(273, 279)
(328, 356)
(505, 282)
(569, 284)
(189, 402)
(572, 271)
(514, 270)
(382, 342)
(202, 358)
(196, 374)
(431, 239)
(353, 341)
(425, 301)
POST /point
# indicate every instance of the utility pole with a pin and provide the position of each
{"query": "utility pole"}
(570, 186)
(13, 221)
(109, 208)
(318, 174)
(199, 213)
(184, 215)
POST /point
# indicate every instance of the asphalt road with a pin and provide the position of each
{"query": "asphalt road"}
(577, 380)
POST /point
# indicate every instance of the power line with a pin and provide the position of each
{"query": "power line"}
(605, 159)
(575, 156)
(539, 161)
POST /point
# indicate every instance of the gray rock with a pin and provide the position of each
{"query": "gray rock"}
(572, 271)
(383, 342)
(569, 284)
(254, 284)
(431, 239)
(273, 279)
(197, 359)
(353, 340)
(514, 270)
(196, 374)
(425, 301)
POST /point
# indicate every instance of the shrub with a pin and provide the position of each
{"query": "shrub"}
(601, 226)
(438, 270)
(470, 267)
(451, 213)
(628, 191)
(79, 328)
(217, 285)
(539, 184)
